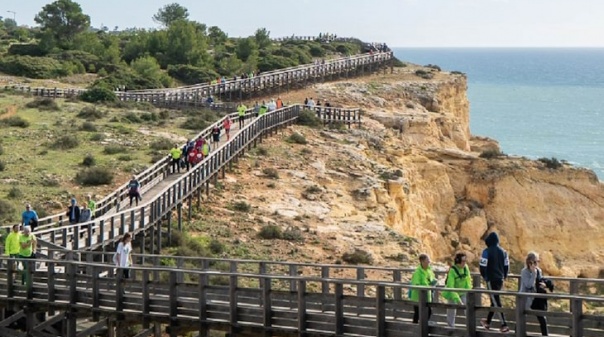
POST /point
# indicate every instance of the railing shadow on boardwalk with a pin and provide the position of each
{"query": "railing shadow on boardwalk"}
(282, 305)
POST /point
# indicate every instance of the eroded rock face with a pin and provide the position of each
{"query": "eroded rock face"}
(414, 173)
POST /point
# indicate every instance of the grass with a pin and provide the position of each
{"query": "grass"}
(59, 162)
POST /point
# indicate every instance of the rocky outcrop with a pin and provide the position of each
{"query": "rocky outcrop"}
(414, 179)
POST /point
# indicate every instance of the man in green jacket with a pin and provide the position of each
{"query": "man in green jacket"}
(458, 278)
(423, 276)
(241, 109)
(27, 243)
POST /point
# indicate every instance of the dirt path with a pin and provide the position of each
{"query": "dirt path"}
(11, 110)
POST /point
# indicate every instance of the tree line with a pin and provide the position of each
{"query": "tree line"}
(182, 51)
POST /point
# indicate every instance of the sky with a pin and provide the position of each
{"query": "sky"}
(399, 23)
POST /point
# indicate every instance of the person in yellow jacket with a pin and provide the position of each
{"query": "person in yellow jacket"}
(458, 277)
(422, 276)
(241, 109)
(11, 245)
(27, 249)
(205, 149)
(175, 154)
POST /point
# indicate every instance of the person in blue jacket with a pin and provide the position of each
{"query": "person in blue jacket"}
(494, 267)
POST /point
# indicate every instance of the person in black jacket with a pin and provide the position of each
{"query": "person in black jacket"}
(73, 212)
(494, 267)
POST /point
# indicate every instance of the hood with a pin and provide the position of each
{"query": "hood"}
(492, 239)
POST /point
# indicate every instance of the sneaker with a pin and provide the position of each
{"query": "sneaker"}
(484, 324)
(505, 329)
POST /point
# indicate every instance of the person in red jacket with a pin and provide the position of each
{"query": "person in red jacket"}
(226, 125)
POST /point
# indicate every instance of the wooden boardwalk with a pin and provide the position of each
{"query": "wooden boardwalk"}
(269, 82)
(76, 281)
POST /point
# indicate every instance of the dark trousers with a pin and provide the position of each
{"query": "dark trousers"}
(416, 313)
(543, 325)
(495, 301)
(136, 196)
(175, 165)
(241, 121)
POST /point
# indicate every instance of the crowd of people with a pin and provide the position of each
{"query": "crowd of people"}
(494, 268)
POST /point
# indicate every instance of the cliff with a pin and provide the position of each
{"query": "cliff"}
(411, 180)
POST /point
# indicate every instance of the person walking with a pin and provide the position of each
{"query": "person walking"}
(91, 205)
(29, 217)
(134, 190)
(226, 125)
(12, 245)
(494, 268)
(175, 154)
(458, 277)
(73, 212)
(27, 247)
(123, 257)
(241, 109)
(423, 276)
(532, 281)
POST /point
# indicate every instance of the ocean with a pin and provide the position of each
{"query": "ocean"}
(537, 102)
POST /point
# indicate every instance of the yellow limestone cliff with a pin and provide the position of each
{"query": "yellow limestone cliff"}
(448, 197)
(412, 180)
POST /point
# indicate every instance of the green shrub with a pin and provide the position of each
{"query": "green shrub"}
(89, 161)
(433, 66)
(164, 114)
(157, 157)
(357, 257)
(113, 149)
(15, 193)
(490, 154)
(2, 166)
(91, 113)
(216, 247)
(7, 211)
(98, 94)
(14, 121)
(149, 117)
(261, 151)
(297, 138)
(43, 104)
(97, 137)
(1, 150)
(94, 176)
(32, 67)
(132, 117)
(424, 74)
(66, 142)
(162, 144)
(270, 232)
(271, 173)
(309, 118)
(551, 163)
(89, 127)
(313, 189)
(189, 74)
(293, 233)
(195, 123)
(124, 157)
(241, 206)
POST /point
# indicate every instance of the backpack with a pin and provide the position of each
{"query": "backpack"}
(458, 276)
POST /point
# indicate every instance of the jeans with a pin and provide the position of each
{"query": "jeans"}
(495, 301)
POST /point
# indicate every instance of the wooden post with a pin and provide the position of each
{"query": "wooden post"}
(520, 316)
(95, 293)
(302, 308)
(170, 228)
(179, 214)
(471, 313)
(268, 312)
(146, 301)
(203, 314)
(233, 304)
(380, 311)
(423, 312)
(173, 304)
(339, 310)
(576, 306)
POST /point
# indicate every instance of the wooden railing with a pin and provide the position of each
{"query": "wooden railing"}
(200, 300)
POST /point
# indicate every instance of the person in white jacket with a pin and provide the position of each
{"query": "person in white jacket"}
(123, 257)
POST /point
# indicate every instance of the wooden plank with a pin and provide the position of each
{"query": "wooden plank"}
(94, 329)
